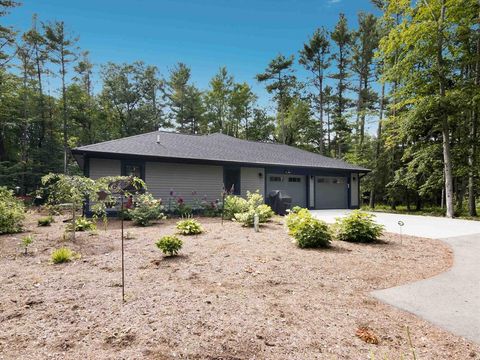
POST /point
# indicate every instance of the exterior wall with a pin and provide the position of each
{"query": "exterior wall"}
(104, 167)
(251, 181)
(311, 191)
(354, 190)
(183, 179)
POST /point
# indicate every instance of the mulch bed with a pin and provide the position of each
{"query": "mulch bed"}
(231, 294)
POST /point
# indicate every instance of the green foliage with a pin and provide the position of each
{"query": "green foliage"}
(62, 255)
(263, 211)
(307, 231)
(82, 224)
(27, 241)
(170, 245)
(146, 210)
(295, 209)
(234, 205)
(189, 227)
(45, 221)
(251, 206)
(12, 212)
(358, 227)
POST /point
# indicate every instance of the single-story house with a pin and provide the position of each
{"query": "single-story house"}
(201, 166)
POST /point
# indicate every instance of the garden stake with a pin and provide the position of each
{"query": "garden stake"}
(123, 261)
(401, 223)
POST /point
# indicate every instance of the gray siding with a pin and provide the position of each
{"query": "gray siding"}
(183, 179)
(354, 188)
(104, 167)
(251, 181)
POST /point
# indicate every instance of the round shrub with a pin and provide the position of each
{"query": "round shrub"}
(169, 244)
(12, 212)
(307, 231)
(189, 227)
(146, 210)
(358, 227)
(234, 205)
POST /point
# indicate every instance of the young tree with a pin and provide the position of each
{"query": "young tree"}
(62, 50)
(314, 58)
(176, 92)
(242, 100)
(217, 100)
(281, 81)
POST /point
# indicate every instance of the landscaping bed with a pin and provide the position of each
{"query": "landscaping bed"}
(230, 294)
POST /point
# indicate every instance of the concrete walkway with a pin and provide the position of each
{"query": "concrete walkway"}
(450, 300)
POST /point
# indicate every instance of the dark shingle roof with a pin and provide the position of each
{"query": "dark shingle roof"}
(214, 147)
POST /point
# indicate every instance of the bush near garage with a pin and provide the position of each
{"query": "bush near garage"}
(358, 227)
(308, 231)
(254, 205)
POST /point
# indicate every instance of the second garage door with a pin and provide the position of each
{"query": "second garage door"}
(331, 192)
(292, 185)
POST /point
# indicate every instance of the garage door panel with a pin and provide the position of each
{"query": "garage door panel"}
(331, 192)
(293, 185)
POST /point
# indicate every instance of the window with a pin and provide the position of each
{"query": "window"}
(132, 168)
(275, 179)
(339, 181)
(321, 180)
(231, 180)
(294, 179)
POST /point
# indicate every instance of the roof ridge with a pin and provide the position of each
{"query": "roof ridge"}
(113, 140)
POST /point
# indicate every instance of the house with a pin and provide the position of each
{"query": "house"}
(200, 166)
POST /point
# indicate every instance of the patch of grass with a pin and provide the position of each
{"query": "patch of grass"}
(45, 221)
(62, 255)
(82, 224)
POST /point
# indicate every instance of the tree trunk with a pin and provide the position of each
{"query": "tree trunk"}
(320, 98)
(64, 96)
(447, 160)
(377, 148)
(472, 206)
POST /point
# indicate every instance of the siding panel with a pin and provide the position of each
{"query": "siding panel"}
(104, 167)
(354, 185)
(250, 181)
(183, 179)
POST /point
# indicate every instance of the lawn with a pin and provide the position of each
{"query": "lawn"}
(230, 294)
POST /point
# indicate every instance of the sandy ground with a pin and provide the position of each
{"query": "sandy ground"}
(232, 294)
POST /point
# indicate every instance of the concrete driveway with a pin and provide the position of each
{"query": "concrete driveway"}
(450, 300)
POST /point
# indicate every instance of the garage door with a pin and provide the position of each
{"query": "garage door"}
(331, 192)
(293, 185)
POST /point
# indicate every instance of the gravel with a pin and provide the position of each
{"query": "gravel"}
(231, 294)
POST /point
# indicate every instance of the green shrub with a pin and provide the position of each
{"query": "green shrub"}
(295, 209)
(146, 210)
(244, 210)
(12, 212)
(170, 245)
(189, 227)
(263, 211)
(62, 255)
(26, 242)
(307, 231)
(82, 224)
(45, 221)
(358, 227)
(234, 205)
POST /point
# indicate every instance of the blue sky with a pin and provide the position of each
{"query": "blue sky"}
(243, 35)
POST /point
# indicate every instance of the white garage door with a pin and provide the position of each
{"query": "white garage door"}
(292, 185)
(331, 192)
